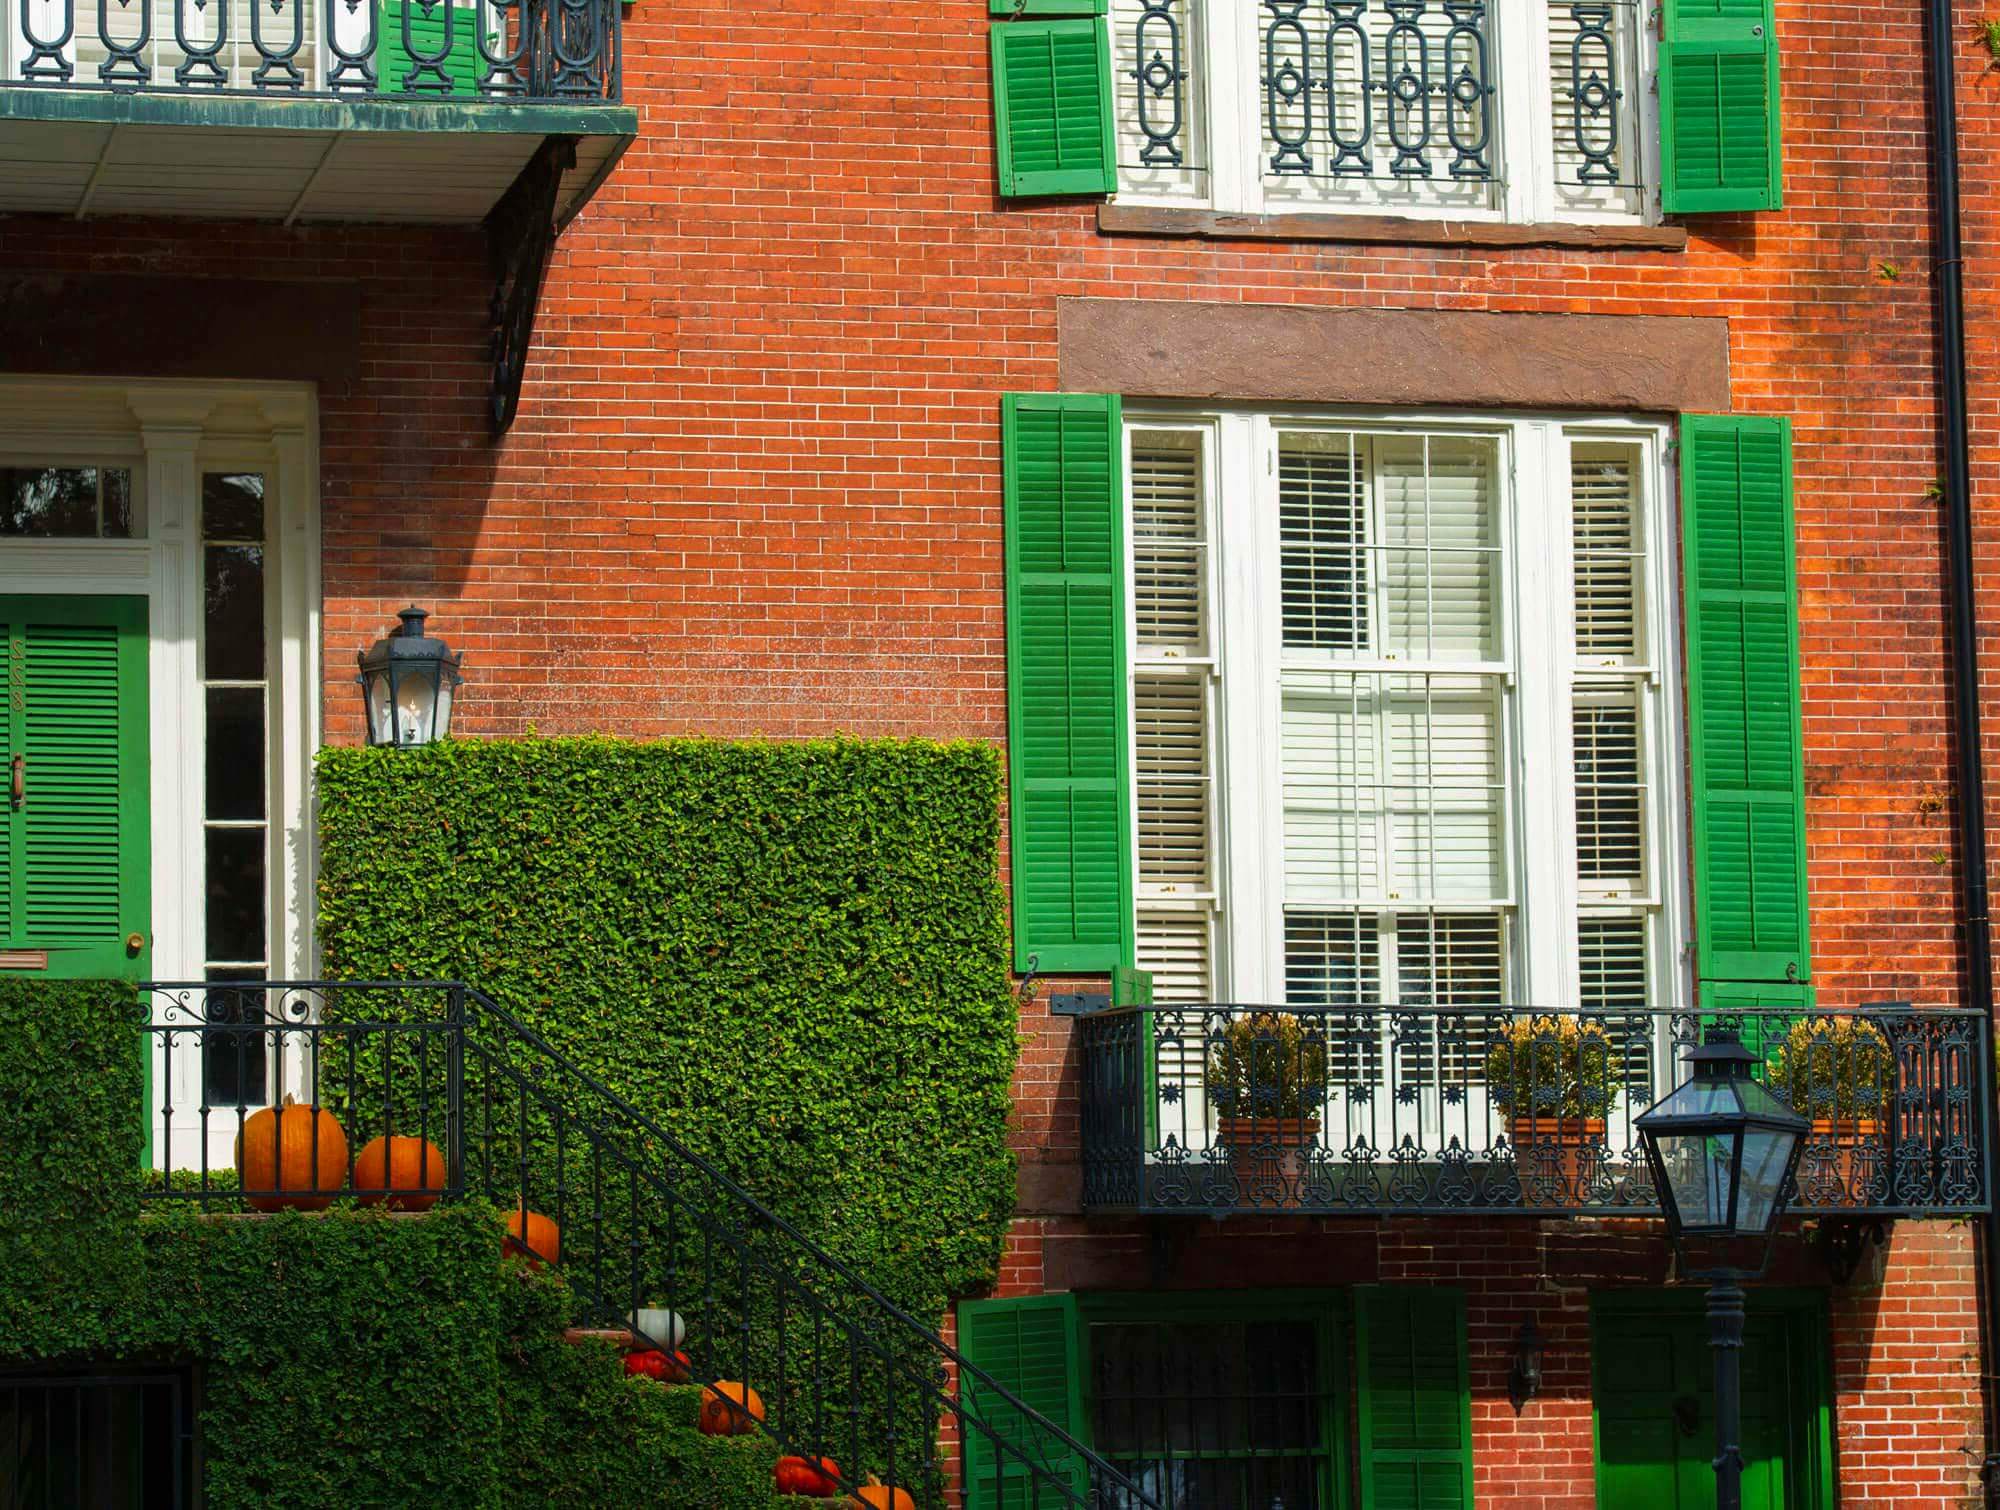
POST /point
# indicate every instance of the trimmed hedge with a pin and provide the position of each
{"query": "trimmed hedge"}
(793, 955)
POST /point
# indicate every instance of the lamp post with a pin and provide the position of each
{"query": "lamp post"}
(1722, 1149)
(408, 679)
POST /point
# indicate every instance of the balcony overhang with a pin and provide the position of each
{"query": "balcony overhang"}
(399, 161)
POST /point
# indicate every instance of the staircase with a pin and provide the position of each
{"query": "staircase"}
(640, 1223)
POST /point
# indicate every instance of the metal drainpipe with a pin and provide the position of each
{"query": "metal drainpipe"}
(1969, 772)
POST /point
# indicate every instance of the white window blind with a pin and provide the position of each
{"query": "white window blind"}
(1173, 687)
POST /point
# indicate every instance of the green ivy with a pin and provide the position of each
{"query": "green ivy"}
(790, 954)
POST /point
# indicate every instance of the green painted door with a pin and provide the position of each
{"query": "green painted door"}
(75, 890)
(1653, 1381)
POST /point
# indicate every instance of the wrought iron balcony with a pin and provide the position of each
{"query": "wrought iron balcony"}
(1216, 1109)
(419, 111)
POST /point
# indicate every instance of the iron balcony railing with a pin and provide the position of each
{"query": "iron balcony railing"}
(641, 1221)
(437, 51)
(1404, 1110)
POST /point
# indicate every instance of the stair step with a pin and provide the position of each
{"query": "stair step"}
(618, 1336)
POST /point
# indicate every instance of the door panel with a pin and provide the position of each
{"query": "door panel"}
(74, 843)
(1653, 1377)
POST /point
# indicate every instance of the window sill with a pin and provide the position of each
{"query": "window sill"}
(1217, 225)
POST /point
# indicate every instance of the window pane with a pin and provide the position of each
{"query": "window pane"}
(1158, 73)
(1594, 104)
(1610, 829)
(1322, 524)
(1168, 548)
(1440, 558)
(236, 1066)
(234, 615)
(55, 503)
(235, 753)
(236, 892)
(232, 507)
(117, 503)
(1604, 500)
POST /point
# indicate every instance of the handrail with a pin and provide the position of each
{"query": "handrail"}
(692, 1201)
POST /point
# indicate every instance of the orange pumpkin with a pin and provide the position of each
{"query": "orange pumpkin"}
(534, 1237)
(298, 1152)
(817, 1478)
(729, 1409)
(651, 1363)
(877, 1496)
(409, 1169)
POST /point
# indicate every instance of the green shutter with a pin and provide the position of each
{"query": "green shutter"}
(1720, 998)
(1048, 7)
(1743, 699)
(1068, 715)
(1720, 144)
(74, 853)
(394, 66)
(1052, 107)
(1415, 1399)
(1031, 1346)
(1131, 987)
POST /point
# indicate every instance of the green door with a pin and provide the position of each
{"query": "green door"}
(75, 891)
(1653, 1386)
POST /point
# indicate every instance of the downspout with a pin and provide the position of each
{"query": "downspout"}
(1968, 766)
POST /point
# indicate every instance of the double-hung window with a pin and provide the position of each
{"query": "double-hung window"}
(1529, 111)
(1401, 709)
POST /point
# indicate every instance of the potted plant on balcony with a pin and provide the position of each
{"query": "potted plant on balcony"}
(1554, 1078)
(1266, 1078)
(1839, 1072)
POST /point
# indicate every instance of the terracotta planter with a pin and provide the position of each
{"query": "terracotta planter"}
(1845, 1162)
(1267, 1156)
(1555, 1158)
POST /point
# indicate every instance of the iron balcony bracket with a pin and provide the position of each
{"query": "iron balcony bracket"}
(520, 238)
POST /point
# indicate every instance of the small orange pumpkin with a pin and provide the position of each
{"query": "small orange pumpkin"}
(878, 1496)
(410, 1170)
(651, 1363)
(729, 1409)
(299, 1152)
(816, 1478)
(534, 1237)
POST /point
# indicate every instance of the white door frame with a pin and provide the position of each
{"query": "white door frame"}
(169, 434)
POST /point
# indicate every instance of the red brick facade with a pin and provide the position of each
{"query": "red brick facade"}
(754, 488)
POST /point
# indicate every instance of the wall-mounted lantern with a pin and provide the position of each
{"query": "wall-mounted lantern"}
(408, 680)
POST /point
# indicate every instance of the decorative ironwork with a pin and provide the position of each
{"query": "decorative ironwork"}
(1434, 93)
(1159, 41)
(1593, 93)
(1340, 1109)
(644, 1223)
(468, 52)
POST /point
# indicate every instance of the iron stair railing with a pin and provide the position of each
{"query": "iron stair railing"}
(844, 1372)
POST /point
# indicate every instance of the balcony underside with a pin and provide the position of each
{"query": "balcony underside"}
(410, 162)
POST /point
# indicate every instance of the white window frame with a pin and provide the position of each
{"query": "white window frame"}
(170, 434)
(1225, 124)
(1243, 597)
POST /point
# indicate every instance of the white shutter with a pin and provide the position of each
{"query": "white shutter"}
(1613, 976)
(1140, 55)
(1323, 534)
(1333, 794)
(1441, 557)
(1169, 547)
(1604, 499)
(1446, 836)
(1177, 948)
(1610, 792)
(1170, 721)
(1334, 959)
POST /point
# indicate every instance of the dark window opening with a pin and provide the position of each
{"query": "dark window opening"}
(110, 1440)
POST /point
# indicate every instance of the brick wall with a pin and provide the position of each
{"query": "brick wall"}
(754, 488)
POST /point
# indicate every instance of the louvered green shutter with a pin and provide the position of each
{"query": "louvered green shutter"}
(394, 65)
(1052, 106)
(1031, 1346)
(1744, 731)
(1720, 142)
(1068, 714)
(1415, 1399)
(74, 855)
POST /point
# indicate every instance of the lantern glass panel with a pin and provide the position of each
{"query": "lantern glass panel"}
(1700, 1168)
(441, 724)
(416, 703)
(1766, 1154)
(381, 728)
